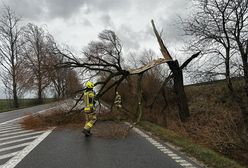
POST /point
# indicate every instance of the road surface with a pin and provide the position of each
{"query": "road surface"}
(67, 148)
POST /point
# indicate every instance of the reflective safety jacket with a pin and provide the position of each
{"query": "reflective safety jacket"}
(89, 100)
(117, 99)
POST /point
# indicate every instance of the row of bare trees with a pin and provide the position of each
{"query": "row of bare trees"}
(28, 60)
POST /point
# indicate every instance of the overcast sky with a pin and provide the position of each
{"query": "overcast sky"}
(77, 22)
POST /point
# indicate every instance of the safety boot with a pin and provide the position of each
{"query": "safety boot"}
(86, 132)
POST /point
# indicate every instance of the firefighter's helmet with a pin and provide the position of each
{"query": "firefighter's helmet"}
(89, 85)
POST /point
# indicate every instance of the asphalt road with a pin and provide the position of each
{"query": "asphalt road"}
(67, 148)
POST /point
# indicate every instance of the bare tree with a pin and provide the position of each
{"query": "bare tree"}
(10, 49)
(36, 54)
(239, 32)
(102, 56)
(65, 81)
(209, 27)
(72, 84)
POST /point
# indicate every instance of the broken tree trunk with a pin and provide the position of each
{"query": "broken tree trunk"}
(179, 90)
(177, 77)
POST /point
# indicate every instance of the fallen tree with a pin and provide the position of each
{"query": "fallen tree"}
(104, 58)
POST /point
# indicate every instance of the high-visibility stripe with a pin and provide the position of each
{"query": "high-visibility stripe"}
(87, 108)
(89, 124)
(89, 99)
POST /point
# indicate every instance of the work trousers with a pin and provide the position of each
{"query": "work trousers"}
(90, 120)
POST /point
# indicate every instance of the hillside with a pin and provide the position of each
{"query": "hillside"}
(215, 120)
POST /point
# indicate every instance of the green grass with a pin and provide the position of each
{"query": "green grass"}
(206, 155)
(7, 105)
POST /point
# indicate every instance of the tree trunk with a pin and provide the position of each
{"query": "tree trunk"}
(40, 101)
(227, 64)
(244, 102)
(245, 65)
(179, 90)
(16, 104)
(139, 95)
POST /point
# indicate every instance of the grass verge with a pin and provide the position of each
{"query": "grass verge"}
(206, 155)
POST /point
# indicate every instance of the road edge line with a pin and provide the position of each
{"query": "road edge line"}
(166, 149)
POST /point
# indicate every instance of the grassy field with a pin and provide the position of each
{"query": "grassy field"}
(7, 105)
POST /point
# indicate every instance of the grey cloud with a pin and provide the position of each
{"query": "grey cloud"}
(25, 8)
(128, 37)
(86, 22)
(50, 9)
(107, 21)
(170, 24)
(63, 8)
(36, 9)
(106, 5)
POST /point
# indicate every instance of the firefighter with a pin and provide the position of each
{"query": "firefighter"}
(118, 100)
(118, 105)
(89, 108)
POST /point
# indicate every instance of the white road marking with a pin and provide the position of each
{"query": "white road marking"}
(11, 130)
(17, 136)
(11, 133)
(19, 140)
(172, 154)
(167, 152)
(161, 147)
(156, 143)
(186, 164)
(14, 133)
(180, 161)
(17, 158)
(13, 147)
(10, 121)
(176, 157)
(8, 126)
(8, 155)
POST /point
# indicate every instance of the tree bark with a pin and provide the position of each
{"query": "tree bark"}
(16, 104)
(179, 90)
(39, 90)
(139, 95)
